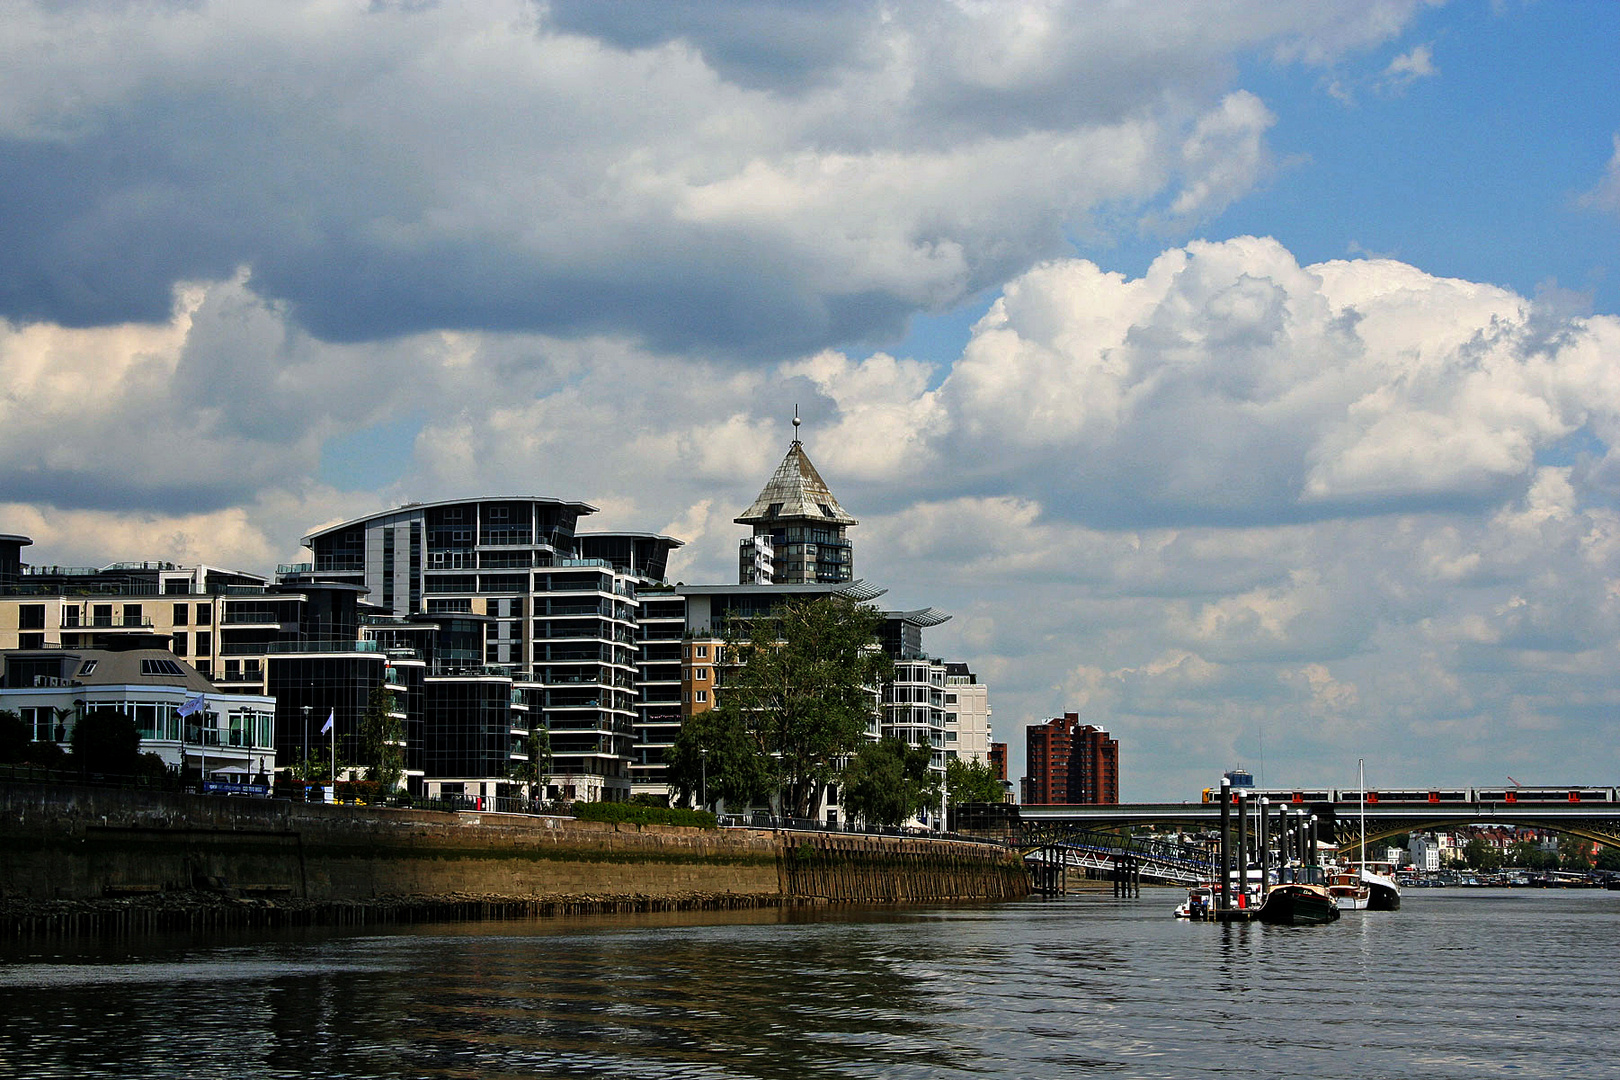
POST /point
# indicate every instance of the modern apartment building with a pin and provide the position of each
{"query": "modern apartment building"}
(967, 715)
(800, 533)
(559, 614)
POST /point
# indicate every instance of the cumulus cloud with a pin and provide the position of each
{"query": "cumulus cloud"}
(746, 179)
(1233, 502)
(1228, 383)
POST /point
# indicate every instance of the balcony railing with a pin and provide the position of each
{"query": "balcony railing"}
(335, 645)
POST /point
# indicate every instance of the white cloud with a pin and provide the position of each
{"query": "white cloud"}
(1408, 68)
(1331, 509)
(1606, 195)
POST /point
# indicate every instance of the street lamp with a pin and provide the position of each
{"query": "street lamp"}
(305, 763)
(704, 790)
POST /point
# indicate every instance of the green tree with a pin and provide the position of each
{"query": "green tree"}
(106, 741)
(798, 696)
(14, 738)
(888, 781)
(382, 739)
(1530, 855)
(972, 781)
(1481, 856)
(1574, 853)
(317, 766)
(718, 757)
(1607, 858)
(536, 745)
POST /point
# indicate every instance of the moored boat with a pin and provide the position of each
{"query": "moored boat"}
(1382, 892)
(1199, 904)
(1297, 904)
(1348, 891)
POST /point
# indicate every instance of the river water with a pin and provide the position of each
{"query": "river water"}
(1458, 983)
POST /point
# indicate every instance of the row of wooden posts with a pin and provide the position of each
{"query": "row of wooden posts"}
(1295, 836)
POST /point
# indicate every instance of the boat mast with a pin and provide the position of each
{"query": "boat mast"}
(1361, 767)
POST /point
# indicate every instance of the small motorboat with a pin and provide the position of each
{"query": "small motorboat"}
(1199, 904)
(1348, 890)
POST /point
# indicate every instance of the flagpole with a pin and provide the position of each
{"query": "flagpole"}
(332, 723)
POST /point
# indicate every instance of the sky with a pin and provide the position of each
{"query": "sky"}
(1243, 377)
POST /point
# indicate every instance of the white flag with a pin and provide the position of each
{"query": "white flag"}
(194, 704)
(330, 720)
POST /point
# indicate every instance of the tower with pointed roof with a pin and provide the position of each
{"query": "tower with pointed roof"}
(801, 534)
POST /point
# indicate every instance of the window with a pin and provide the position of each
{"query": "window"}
(31, 617)
(88, 668)
(500, 513)
(181, 643)
(70, 616)
(950, 699)
(132, 614)
(703, 695)
(182, 614)
(31, 641)
(703, 652)
(205, 614)
(205, 643)
(154, 666)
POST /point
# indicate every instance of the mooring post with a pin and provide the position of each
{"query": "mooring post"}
(1243, 847)
(1264, 842)
(1226, 829)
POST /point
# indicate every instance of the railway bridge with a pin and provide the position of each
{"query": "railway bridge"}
(1338, 814)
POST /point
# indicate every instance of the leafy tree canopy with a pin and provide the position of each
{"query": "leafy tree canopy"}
(888, 781)
(382, 739)
(14, 738)
(972, 781)
(796, 697)
(719, 757)
(106, 741)
(537, 747)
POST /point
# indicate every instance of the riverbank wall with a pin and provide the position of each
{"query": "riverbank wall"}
(89, 858)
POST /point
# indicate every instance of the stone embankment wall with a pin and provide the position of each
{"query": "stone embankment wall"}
(75, 846)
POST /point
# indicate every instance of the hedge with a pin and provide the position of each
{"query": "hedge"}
(642, 815)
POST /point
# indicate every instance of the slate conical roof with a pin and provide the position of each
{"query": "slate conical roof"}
(796, 491)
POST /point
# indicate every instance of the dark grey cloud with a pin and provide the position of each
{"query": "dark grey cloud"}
(745, 180)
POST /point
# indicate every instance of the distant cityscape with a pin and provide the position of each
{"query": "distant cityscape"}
(485, 619)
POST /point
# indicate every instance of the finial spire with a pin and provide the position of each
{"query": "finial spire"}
(796, 423)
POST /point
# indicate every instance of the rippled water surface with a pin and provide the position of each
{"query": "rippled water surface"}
(1458, 983)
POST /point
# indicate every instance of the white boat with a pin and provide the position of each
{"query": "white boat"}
(1347, 889)
(1199, 904)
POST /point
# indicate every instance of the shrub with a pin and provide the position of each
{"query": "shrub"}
(642, 815)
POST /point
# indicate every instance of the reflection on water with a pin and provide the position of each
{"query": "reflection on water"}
(1459, 983)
